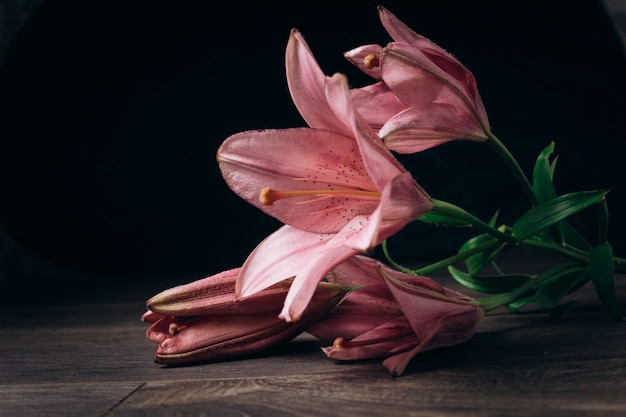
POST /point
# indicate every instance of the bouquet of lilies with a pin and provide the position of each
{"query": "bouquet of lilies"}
(340, 192)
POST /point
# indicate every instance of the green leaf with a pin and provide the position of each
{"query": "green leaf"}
(493, 284)
(494, 219)
(481, 260)
(603, 221)
(543, 188)
(443, 219)
(528, 289)
(573, 238)
(543, 174)
(553, 211)
(515, 306)
(551, 291)
(601, 270)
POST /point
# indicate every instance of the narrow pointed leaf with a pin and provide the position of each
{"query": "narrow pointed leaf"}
(542, 175)
(516, 305)
(543, 188)
(601, 270)
(553, 211)
(525, 293)
(552, 290)
(481, 260)
(493, 284)
(573, 238)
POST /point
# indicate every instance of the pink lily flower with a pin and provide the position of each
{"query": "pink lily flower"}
(339, 193)
(425, 97)
(393, 315)
(203, 322)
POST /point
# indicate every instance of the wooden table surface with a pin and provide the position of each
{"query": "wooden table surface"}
(87, 355)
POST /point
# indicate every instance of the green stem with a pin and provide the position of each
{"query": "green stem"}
(491, 303)
(444, 263)
(570, 253)
(513, 165)
(457, 212)
(392, 262)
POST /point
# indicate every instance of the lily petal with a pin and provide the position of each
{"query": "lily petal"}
(433, 123)
(390, 338)
(215, 295)
(438, 320)
(379, 162)
(376, 103)
(305, 257)
(400, 202)
(306, 83)
(398, 30)
(419, 76)
(368, 306)
(299, 159)
(263, 268)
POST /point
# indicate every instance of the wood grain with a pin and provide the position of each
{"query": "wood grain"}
(92, 359)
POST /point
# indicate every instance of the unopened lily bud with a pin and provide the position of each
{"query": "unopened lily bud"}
(203, 321)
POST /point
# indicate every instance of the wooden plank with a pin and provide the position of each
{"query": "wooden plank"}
(93, 359)
(62, 399)
(473, 392)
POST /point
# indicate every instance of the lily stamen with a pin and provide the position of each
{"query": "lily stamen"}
(268, 196)
(341, 343)
(371, 61)
(179, 324)
(174, 328)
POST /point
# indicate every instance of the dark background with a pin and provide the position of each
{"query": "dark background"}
(111, 113)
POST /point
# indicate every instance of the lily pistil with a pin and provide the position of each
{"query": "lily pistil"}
(268, 196)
